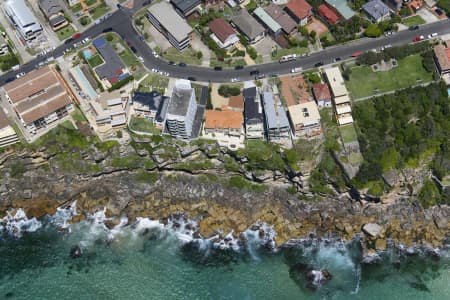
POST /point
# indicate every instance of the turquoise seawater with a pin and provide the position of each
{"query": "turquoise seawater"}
(156, 264)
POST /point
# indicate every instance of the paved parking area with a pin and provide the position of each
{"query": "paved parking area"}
(265, 47)
(427, 15)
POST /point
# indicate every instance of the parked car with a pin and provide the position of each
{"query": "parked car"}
(418, 38)
(20, 74)
(318, 64)
(261, 76)
(217, 68)
(254, 72)
(337, 59)
(133, 49)
(236, 79)
(356, 54)
(86, 40)
(239, 67)
(108, 29)
(9, 79)
(191, 78)
(172, 63)
(155, 54)
(414, 27)
(181, 64)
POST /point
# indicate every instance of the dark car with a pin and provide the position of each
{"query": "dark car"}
(133, 49)
(261, 76)
(239, 67)
(9, 79)
(191, 78)
(254, 72)
(107, 29)
(337, 59)
(217, 68)
(119, 6)
(414, 27)
(320, 63)
(182, 64)
(172, 63)
(68, 41)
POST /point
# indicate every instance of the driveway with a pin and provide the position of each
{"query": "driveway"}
(198, 45)
(217, 100)
(427, 15)
(265, 47)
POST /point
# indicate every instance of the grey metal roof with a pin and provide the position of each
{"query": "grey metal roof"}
(22, 13)
(55, 21)
(376, 9)
(247, 24)
(252, 108)
(274, 118)
(179, 101)
(267, 19)
(113, 63)
(185, 5)
(49, 7)
(152, 100)
(170, 20)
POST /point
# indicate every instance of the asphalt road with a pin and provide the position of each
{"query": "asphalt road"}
(120, 22)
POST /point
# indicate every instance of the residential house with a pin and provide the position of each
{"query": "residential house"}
(152, 106)
(111, 112)
(442, 57)
(305, 119)
(341, 6)
(377, 11)
(7, 134)
(277, 123)
(170, 24)
(300, 11)
(339, 92)
(322, 94)
(395, 5)
(288, 24)
(236, 103)
(248, 26)
(53, 11)
(181, 110)
(223, 33)
(253, 112)
(226, 127)
(39, 98)
(186, 7)
(415, 5)
(21, 17)
(113, 69)
(4, 49)
(272, 26)
(72, 2)
(328, 14)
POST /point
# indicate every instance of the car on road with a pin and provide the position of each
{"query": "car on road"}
(413, 27)
(76, 35)
(68, 41)
(418, 38)
(108, 29)
(133, 49)
(191, 78)
(141, 58)
(337, 59)
(20, 74)
(356, 54)
(433, 35)
(239, 67)
(181, 64)
(296, 70)
(235, 79)
(217, 68)
(85, 40)
(155, 54)
(254, 72)
(172, 63)
(318, 64)
(9, 79)
(119, 6)
(260, 76)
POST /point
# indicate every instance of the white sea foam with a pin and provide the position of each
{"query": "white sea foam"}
(63, 215)
(16, 222)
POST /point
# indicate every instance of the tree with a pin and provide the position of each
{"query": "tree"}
(313, 35)
(199, 54)
(373, 30)
(404, 11)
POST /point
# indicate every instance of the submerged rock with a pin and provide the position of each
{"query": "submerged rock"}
(308, 277)
(76, 252)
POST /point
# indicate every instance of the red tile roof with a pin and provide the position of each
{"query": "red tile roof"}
(328, 14)
(321, 91)
(215, 119)
(300, 8)
(221, 28)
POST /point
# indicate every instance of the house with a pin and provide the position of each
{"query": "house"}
(236, 103)
(342, 8)
(53, 11)
(442, 57)
(277, 123)
(223, 33)
(248, 26)
(152, 106)
(186, 7)
(322, 94)
(111, 111)
(339, 92)
(39, 98)
(4, 49)
(72, 2)
(273, 27)
(170, 24)
(7, 134)
(288, 24)
(253, 112)
(300, 11)
(181, 110)
(377, 11)
(21, 17)
(415, 5)
(226, 127)
(113, 69)
(305, 119)
(395, 5)
(328, 14)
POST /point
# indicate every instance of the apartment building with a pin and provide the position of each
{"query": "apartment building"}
(22, 18)
(181, 110)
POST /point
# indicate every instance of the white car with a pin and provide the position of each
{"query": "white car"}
(434, 34)
(86, 40)
(236, 79)
(155, 70)
(20, 74)
(155, 54)
(141, 58)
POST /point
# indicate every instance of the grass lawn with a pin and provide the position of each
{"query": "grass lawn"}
(154, 82)
(227, 63)
(188, 56)
(144, 125)
(90, 2)
(85, 20)
(348, 133)
(7, 61)
(414, 20)
(282, 52)
(128, 58)
(66, 32)
(95, 61)
(76, 8)
(99, 11)
(77, 115)
(364, 82)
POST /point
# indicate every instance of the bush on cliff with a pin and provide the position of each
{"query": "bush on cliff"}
(429, 194)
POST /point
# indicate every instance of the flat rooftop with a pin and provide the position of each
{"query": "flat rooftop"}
(170, 20)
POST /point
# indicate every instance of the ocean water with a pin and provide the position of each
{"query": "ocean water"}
(149, 260)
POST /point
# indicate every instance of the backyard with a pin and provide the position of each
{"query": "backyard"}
(66, 32)
(143, 125)
(153, 82)
(364, 82)
(348, 133)
(99, 10)
(95, 61)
